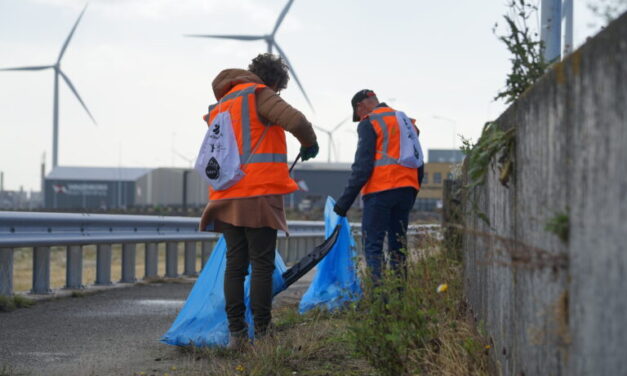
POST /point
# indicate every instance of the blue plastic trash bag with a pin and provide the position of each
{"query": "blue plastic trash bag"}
(336, 281)
(202, 321)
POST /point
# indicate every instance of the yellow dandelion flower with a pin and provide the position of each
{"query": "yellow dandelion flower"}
(442, 288)
(239, 368)
(488, 347)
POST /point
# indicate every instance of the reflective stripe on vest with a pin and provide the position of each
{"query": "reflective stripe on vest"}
(266, 172)
(386, 159)
(387, 173)
(245, 157)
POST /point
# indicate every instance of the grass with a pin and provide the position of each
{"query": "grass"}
(11, 303)
(23, 268)
(407, 327)
(415, 332)
(313, 344)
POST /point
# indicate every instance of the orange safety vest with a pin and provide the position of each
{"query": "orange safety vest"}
(264, 164)
(387, 173)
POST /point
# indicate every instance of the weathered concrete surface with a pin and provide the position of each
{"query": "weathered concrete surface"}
(115, 332)
(555, 308)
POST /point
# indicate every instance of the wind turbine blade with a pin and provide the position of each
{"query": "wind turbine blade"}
(36, 68)
(339, 124)
(236, 37)
(289, 65)
(282, 16)
(69, 37)
(71, 86)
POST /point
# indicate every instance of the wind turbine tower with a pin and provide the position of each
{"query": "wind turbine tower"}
(270, 41)
(331, 141)
(58, 72)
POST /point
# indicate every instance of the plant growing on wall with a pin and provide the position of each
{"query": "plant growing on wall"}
(527, 62)
(559, 225)
(527, 67)
(492, 142)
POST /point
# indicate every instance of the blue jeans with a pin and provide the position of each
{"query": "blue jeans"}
(386, 212)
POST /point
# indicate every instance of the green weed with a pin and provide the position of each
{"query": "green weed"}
(559, 225)
(404, 326)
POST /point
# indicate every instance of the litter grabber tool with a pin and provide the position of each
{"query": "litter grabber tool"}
(308, 262)
(294, 164)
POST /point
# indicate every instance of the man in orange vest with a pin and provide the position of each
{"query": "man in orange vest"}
(250, 212)
(388, 189)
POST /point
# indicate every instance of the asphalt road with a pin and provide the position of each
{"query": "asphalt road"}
(115, 332)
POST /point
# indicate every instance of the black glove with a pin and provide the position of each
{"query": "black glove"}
(308, 152)
(339, 211)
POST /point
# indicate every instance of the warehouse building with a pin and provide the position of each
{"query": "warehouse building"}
(105, 188)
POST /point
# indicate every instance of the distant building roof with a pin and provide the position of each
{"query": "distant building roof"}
(446, 155)
(98, 173)
(328, 166)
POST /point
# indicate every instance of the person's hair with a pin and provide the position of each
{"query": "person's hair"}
(271, 69)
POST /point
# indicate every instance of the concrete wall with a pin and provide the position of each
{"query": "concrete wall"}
(555, 308)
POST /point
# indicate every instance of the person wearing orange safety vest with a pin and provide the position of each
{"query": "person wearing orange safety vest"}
(250, 212)
(388, 189)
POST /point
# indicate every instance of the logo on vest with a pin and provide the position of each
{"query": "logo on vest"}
(212, 170)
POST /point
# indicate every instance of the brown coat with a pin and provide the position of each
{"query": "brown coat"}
(262, 211)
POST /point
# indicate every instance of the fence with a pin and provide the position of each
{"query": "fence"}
(41, 231)
(545, 274)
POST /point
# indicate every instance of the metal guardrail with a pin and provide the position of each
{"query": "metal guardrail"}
(41, 231)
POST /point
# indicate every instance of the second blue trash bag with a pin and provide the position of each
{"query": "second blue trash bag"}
(336, 281)
(202, 321)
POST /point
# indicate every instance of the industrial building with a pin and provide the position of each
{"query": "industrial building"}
(441, 165)
(105, 188)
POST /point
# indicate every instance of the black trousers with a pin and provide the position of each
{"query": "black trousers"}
(254, 246)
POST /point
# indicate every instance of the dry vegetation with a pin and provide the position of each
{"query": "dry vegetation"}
(23, 261)
(416, 332)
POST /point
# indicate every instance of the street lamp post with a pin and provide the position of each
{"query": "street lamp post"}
(453, 123)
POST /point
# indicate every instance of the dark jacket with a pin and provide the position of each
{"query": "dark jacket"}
(364, 164)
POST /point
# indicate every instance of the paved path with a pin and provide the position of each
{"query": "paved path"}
(115, 332)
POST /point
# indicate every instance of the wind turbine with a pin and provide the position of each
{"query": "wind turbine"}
(270, 41)
(330, 134)
(58, 72)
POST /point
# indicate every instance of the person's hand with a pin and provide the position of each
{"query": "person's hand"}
(308, 152)
(339, 211)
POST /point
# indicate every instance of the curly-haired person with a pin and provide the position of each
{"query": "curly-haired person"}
(250, 212)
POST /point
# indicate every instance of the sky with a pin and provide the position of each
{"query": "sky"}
(148, 86)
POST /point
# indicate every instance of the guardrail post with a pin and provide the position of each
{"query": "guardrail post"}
(281, 242)
(151, 260)
(74, 267)
(301, 247)
(171, 259)
(6, 271)
(190, 259)
(207, 246)
(103, 264)
(41, 270)
(128, 263)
